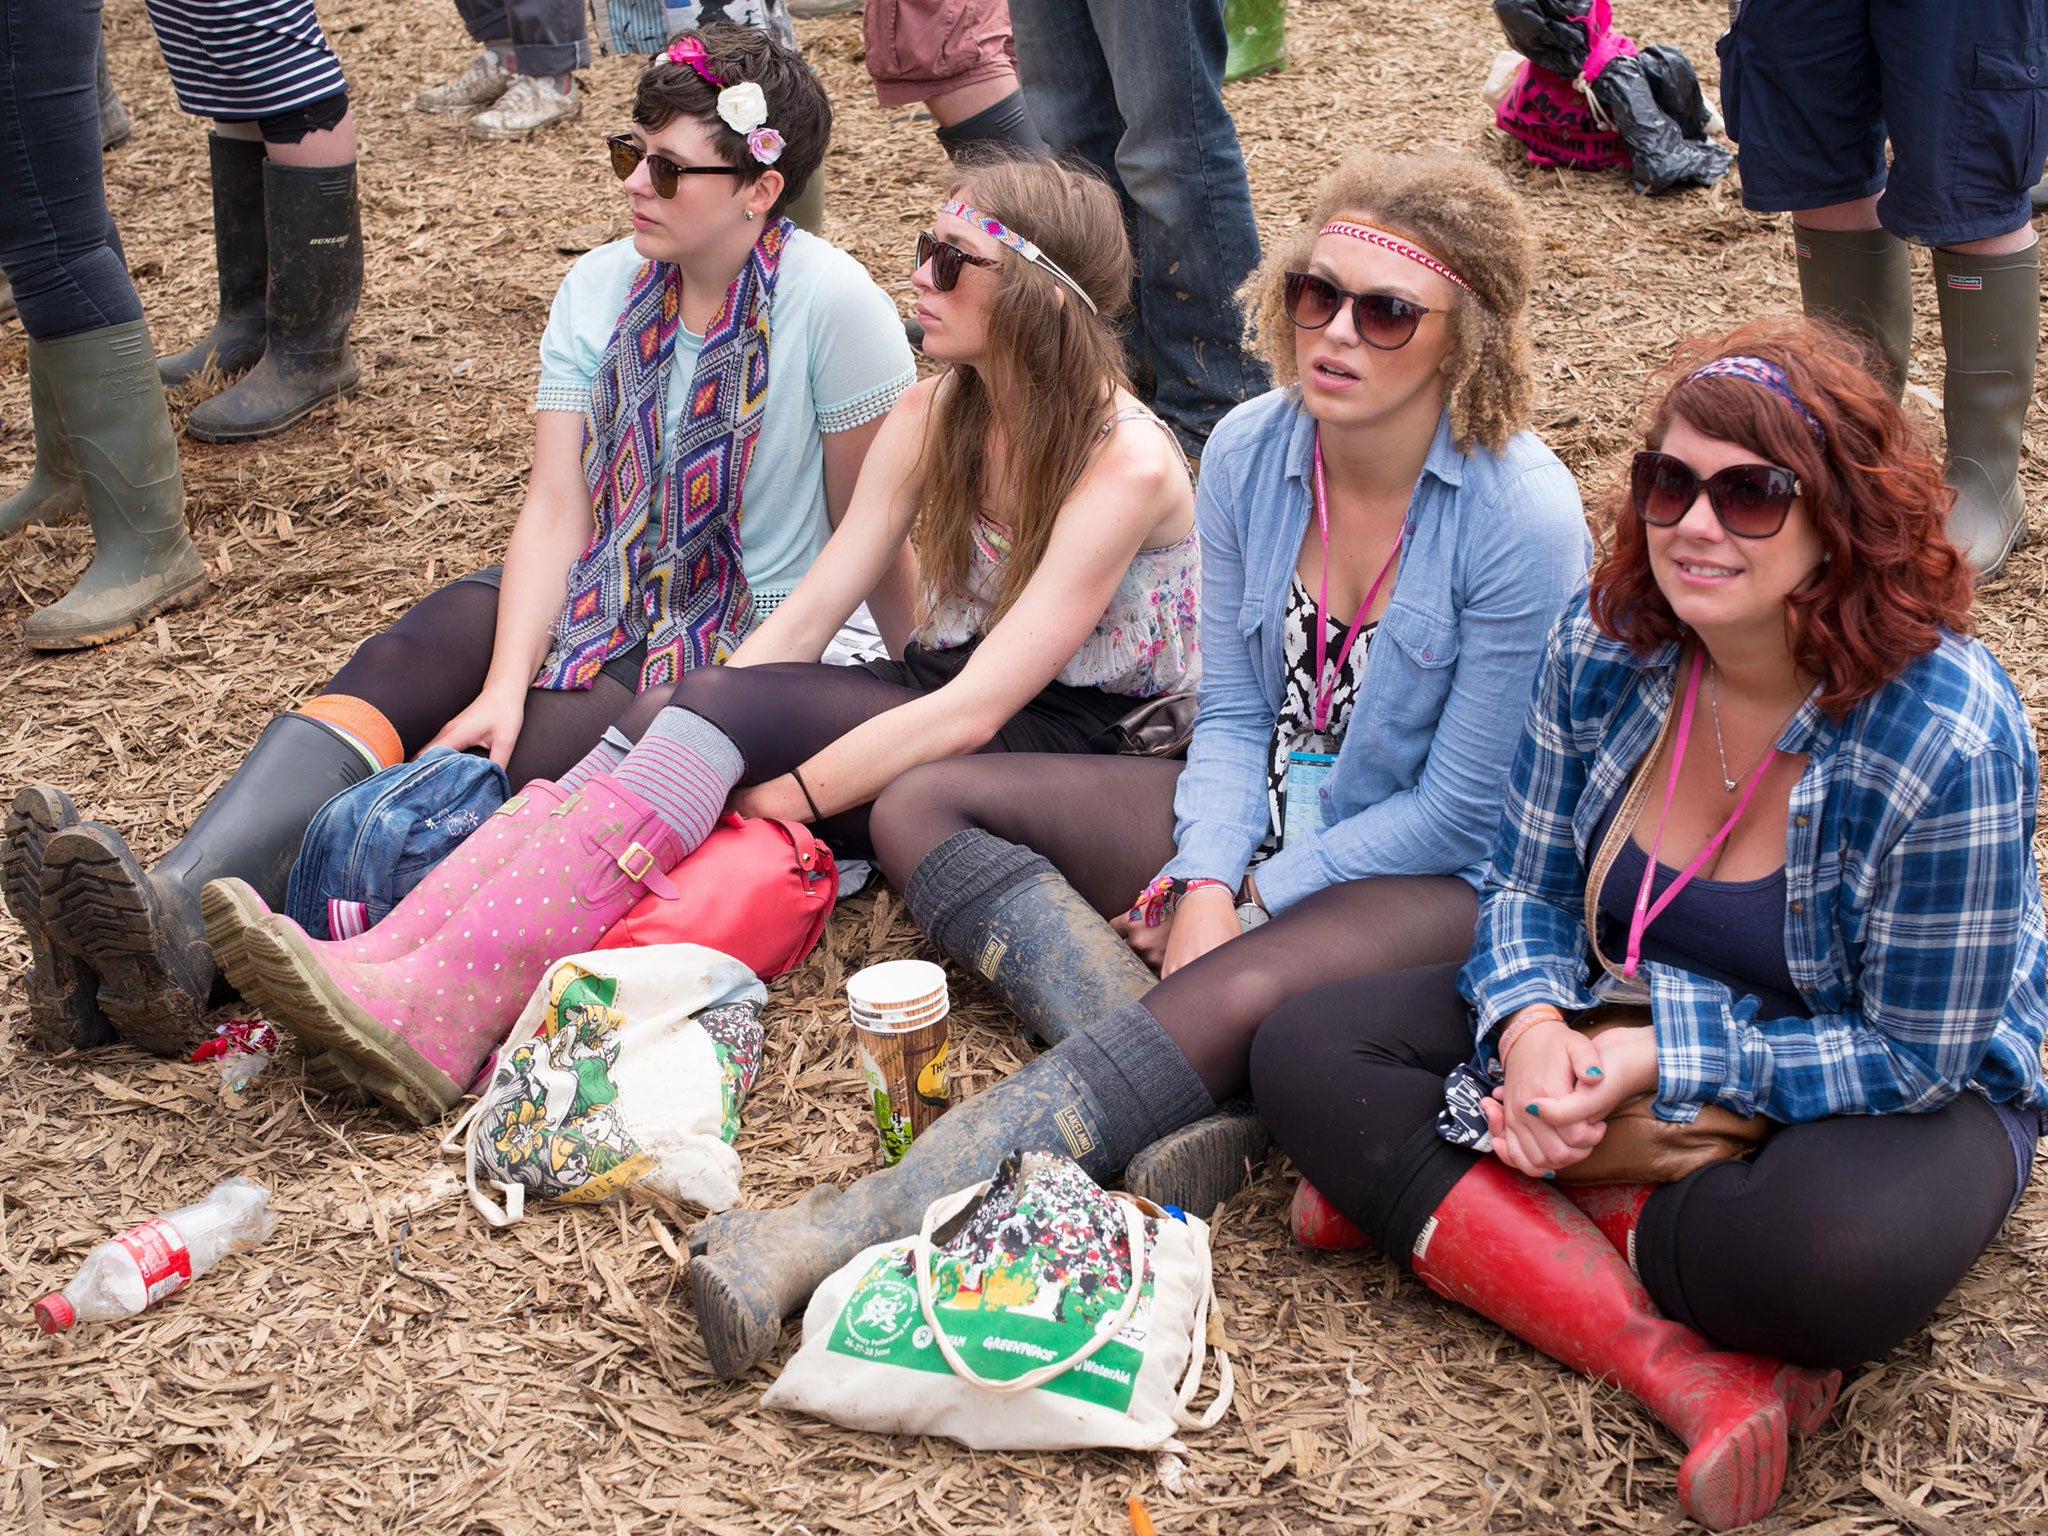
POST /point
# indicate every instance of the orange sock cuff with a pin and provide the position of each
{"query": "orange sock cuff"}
(361, 723)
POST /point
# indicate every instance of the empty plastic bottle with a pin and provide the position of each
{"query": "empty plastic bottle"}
(163, 1255)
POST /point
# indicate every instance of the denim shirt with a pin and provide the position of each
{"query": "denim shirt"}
(1913, 920)
(1494, 547)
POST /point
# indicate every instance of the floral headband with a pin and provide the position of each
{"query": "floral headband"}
(1762, 371)
(1386, 240)
(743, 108)
(994, 229)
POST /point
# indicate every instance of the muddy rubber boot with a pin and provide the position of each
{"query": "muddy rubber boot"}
(1862, 280)
(751, 1269)
(53, 491)
(1515, 1250)
(314, 234)
(1200, 1166)
(1257, 34)
(110, 408)
(141, 930)
(116, 126)
(1990, 324)
(63, 1013)
(807, 212)
(241, 258)
(1004, 912)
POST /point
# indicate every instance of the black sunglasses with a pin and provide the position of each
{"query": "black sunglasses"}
(661, 171)
(1383, 321)
(946, 259)
(1751, 500)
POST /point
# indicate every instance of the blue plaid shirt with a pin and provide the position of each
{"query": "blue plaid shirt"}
(1913, 923)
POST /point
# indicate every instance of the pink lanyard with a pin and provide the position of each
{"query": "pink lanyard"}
(1647, 912)
(1326, 677)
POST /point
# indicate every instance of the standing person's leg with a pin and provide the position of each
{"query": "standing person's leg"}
(1177, 162)
(485, 77)
(1102, 1097)
(273, 79)
(955, 56)
(548, 45)
(1967, 106)
(1351, 1077)
(103, 434)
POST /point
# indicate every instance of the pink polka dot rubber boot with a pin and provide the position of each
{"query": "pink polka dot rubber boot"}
(236, 915)
(413, 1031)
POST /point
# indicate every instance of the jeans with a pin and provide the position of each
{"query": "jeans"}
(57, 240)
(1135, 88)
(547, 35)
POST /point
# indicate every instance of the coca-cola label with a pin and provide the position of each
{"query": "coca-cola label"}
(161, 1255)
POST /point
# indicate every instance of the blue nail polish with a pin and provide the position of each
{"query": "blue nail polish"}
(1594, 1072)
(1549, 1173)
(1534, 1110)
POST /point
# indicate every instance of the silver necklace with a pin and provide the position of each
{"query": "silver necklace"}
(1730, 785)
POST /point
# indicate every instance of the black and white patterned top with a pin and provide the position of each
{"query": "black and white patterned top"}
(1294, 726)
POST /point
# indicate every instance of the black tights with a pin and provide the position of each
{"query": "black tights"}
(1106, 823)
(1835, 1243)
(429, 666)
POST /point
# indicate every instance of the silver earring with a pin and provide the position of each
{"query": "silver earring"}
(750, 215)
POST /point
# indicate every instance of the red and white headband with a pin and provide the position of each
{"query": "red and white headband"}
(1386, 240)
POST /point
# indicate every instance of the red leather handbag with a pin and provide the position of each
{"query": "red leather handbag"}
(757, 889)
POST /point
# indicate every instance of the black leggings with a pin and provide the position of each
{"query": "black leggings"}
(429, 666)
(1830, 1247)
(1106, 823)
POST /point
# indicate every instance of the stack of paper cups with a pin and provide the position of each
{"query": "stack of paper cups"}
(899, 1014)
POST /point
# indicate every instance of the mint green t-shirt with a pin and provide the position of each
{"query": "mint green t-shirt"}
(837, 359)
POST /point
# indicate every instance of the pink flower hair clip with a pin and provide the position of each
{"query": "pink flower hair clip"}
(765, 145)
(689, 49)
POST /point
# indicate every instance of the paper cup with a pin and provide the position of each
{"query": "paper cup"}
(902, 1028)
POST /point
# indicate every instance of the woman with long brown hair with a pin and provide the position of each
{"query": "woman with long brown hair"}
(1054, 520)
(1773, 816)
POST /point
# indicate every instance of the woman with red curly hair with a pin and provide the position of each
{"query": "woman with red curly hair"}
(1772, 820)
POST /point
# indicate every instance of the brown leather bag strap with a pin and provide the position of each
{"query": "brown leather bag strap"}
(1618, 832)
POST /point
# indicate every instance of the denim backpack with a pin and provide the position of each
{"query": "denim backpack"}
(372, 843)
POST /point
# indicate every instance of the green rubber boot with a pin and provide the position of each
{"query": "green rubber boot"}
(1257, 30)
(1990, 324)
(109, 405)
(1861, 279)
(808, 210)
(53, 491)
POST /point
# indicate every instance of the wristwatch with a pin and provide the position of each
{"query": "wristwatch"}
(1250, 910)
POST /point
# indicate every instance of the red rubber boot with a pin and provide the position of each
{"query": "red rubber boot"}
(1316, 1223)
(1515, 1250)
(1616, 1209)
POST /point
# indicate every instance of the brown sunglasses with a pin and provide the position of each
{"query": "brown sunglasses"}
(661, 171)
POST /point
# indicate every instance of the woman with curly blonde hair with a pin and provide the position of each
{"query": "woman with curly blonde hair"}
(1384, 546)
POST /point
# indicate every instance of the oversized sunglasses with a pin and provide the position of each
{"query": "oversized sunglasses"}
(661, 171)
(947, 259)
(1751, 500)
(1383, 321)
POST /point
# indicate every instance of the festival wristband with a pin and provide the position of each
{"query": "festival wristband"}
(1156, 902)
(1530, 1017)
(816, 814)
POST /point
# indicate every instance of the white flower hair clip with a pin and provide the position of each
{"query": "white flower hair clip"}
(743, 107)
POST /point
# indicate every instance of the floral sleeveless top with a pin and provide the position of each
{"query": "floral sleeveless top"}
(1147, 641)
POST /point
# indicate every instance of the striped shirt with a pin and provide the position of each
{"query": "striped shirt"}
(1913, 919)
(239, 60)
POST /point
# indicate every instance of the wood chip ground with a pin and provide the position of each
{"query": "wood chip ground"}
(387, 1363)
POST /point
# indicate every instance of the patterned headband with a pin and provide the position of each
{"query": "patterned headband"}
(1372, 234)
(743, 108)
(995, 230)
(1759, 370)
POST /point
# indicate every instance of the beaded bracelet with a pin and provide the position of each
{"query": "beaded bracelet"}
(1534, 1014)
(1156, 902)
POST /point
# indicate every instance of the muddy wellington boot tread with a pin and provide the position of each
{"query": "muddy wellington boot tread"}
(142, 930)
(53, 490)
(241, 258)
(109, 405)
(1200, 1166)
(63, 1007)
(314, 235)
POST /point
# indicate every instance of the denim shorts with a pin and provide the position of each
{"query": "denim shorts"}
(1812, 89)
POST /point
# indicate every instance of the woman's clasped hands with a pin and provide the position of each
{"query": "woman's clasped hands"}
(1560, 1087)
